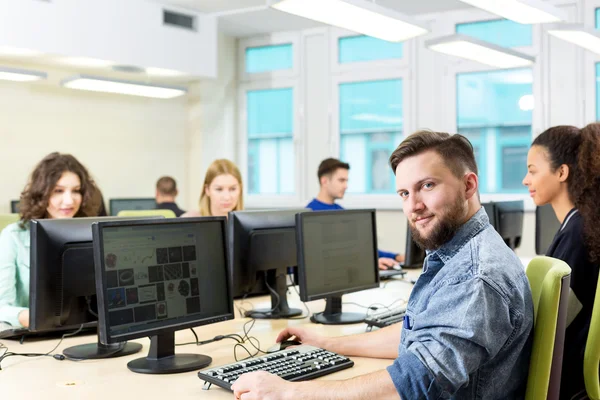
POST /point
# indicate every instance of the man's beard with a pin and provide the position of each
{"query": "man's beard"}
(449, 221)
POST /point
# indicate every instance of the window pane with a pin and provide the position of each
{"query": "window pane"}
(501, 32)
(269, 58)
(270, 141)
(494, 110)
(514, 165)
(597, 18)
(366, 48)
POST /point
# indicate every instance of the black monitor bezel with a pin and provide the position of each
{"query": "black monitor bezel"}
(111, 208)
(540, 214)
(510, 207)
(300, 218)
(14, 206)
(103, 328)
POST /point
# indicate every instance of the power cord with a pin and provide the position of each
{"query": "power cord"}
(58, 356)
(233, 336)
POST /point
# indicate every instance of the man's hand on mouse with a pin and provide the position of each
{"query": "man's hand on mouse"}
(386, 263)
(261, 385)
(303, 335)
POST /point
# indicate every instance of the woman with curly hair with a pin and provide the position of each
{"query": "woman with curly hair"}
(564, 170)
(59, 187)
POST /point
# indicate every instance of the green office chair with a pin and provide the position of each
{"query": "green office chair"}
(146, 213)
(7, 219)
(591, 358)
(549, 279)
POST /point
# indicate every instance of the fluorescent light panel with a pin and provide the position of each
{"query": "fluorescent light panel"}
(21, 75)
(580, 35)
(359, 16)
(467, 47)
(96, 84)
(521, 11)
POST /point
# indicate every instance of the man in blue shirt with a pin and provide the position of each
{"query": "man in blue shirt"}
(333, 179)
(468, 328)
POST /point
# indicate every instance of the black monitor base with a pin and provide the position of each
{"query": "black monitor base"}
(163, 360)
(94, 351)
(276, 279)
(333, 314)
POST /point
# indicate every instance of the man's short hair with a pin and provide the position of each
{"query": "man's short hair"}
(329, 166)
(455, 150)
(166, 186)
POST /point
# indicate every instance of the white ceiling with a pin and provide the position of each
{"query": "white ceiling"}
(253, 17)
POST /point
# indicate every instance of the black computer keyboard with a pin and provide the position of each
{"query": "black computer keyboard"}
(386, 317)
(299, 363)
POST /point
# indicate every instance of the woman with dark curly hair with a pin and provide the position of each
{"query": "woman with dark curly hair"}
(564, 170)
(59, 187)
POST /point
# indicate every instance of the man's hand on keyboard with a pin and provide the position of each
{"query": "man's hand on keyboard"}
(260, 385)
(303, 335)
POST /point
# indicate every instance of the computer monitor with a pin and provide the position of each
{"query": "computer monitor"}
(263, 246)
(14, 206)
(490, 210)
(157, 277)
(546, 226)
(414, 256)
(62, 289)
(117, 205)
(337, 254)
(509, 221)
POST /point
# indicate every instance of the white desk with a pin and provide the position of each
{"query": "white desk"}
(47, 378)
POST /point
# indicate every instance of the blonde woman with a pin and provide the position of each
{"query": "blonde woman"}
(222, 191)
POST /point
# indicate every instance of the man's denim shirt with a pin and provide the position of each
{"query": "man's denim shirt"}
(468, 328)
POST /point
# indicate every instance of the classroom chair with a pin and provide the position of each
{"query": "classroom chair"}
(591, 358)
(549, 279)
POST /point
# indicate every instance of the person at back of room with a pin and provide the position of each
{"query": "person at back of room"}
(59, 187)
(563, 169)
(333, 182)
(166, 191)
(222, 190)
(468, 329)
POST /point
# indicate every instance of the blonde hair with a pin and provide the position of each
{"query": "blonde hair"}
(217, 168)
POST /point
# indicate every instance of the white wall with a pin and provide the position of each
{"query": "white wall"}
(127, 143)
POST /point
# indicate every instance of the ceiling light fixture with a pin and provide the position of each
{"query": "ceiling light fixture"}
(21, 75)
(473, 49)
(97, 84)
(359, 16)
(521, 11)
(580, 35)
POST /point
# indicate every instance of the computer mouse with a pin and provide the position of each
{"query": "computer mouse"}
(395, 267)
(283, 345)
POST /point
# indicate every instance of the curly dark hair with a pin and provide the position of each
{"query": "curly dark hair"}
(579, 149)
(35, 197)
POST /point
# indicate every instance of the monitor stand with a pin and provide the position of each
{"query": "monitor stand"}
(276, 279)
(333, 314)
(163, 360)
(94, 351)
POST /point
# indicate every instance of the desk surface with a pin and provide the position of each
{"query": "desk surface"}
(96, 379)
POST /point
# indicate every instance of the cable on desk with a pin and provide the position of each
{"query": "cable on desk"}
(59, 356)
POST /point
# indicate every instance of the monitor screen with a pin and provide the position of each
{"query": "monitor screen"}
(62, 286)
(14, 206)
(160, 276)
(490, 210)
(337, 253)
(546, 226)
(117, 205)
(414, 256)
(509, 221)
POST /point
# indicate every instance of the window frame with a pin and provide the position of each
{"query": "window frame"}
(272, 200)
(455, 66)
(380, 201)
(336, 67)
(264, 41)
(589, 67)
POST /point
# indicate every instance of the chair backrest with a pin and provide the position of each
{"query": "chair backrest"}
(7, 219)
(146, 213)
(591, 358)
(549, 279)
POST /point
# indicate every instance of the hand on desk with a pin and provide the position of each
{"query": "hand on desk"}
(303, 335)
(386, 263)
(24, 318)
(260, 385)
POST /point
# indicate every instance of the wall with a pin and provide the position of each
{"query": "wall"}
(127, 143)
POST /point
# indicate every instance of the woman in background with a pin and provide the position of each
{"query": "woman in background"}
(222, 191)
(564, 170)
(59, 187)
